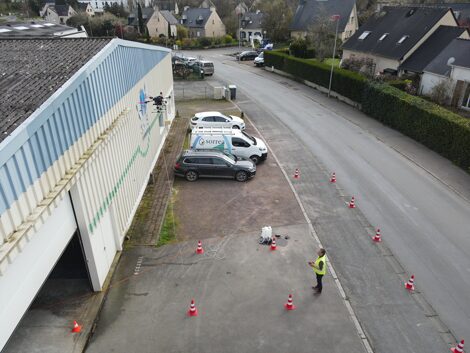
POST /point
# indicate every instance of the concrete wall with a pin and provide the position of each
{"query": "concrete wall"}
(380, 62)
(214, 26)
(158, 25)
(428, 81)
(352, 25)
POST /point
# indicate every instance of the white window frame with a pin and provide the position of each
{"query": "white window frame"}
(402, 39)
(364, 35)
(385, 35)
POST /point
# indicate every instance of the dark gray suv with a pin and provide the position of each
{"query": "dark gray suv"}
(213, 164)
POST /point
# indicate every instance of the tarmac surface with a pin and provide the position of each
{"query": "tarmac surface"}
(416, 197)
(239, 287)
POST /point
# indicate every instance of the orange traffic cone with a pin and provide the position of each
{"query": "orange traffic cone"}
(297, 174)
(192, 309)
(410, 285)
(333, 178)
(458, 348)
(76, 327)
(377, 238)
(199, 249)
(290, 304)
(352, 203)
(273, 244)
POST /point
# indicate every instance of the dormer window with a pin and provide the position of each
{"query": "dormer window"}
(383, 36)
(364, 35)
(402, 39)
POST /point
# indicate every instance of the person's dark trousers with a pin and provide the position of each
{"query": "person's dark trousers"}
(319, 285)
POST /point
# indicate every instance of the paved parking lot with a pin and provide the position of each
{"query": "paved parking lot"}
(239, 286)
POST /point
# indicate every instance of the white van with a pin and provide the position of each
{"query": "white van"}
(236, 142)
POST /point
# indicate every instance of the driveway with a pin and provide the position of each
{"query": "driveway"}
(240, 287)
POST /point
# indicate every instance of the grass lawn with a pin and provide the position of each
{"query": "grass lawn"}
(170, 223)
(330, 60)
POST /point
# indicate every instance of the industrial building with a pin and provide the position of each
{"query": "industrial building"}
(77, 145)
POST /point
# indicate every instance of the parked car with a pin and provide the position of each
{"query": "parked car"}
(247, 55)
(207, 67)
(259, 60)
(232, 141)
(216, 119)
(193, 165)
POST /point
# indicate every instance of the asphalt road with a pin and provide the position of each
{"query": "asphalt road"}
(419, 200)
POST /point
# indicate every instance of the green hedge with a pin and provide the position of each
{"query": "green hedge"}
(437, 128)
(346, 83)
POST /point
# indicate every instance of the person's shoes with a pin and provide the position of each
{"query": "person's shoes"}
(314, 287)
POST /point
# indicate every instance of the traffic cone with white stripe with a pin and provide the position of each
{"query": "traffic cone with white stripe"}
(290, 303)
(377, 238)
(352, 203)
(76, 327)
(458, 348)
(333, 178)
(192, 309)
(199, 249)
(273, 244)
(410, 285)
(297, 173)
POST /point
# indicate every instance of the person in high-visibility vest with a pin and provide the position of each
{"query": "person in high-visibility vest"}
(319, 267)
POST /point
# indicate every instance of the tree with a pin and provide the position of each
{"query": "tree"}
(440, 92)
(140, 19)
(277, 18)
(322, 34)
(181, 32)
(116, 10)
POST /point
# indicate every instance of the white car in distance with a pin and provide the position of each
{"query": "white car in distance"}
(216, 119)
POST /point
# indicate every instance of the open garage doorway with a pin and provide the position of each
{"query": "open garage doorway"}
(65, 296)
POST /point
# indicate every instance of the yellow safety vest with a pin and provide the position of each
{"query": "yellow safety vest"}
(317, 263)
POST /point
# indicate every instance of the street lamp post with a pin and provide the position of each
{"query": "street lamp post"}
(334, 18)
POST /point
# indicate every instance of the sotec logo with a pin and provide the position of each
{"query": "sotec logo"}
(142, 111)
(202, 141)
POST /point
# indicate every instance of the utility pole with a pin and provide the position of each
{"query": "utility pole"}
(334, 18)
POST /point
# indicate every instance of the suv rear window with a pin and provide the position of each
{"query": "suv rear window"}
(208, 65)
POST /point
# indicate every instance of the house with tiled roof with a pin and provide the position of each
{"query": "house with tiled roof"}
(59, 13)
(432, 47)
(202, 22)
(162, 24)
(392, 35)
(312, 12)
(451, 67)
(133, 19)
(251, 26)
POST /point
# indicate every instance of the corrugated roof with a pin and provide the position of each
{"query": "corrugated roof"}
(196, 17)
(252, 20)
(31, 29)
(133, 19)
(31, 70)
(169, 17)
(456, 53)
(431, 48)
(396, 22)
(309, 11)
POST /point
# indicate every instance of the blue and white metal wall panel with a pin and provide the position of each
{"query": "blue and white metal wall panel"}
(40, 152)
(107, 194)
